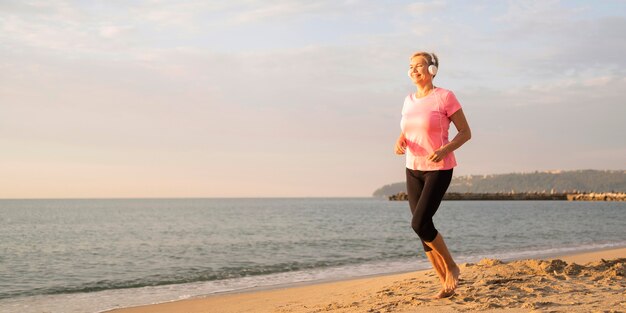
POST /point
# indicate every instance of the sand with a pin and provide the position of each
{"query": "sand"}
(587, 282)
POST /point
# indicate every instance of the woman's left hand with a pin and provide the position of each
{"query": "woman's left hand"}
(438, 155)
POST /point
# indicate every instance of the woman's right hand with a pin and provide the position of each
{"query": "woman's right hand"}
(400, 147)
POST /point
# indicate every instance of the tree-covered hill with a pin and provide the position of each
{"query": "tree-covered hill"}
(559, 181)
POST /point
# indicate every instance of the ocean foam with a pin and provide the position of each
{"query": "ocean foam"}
(102, 301)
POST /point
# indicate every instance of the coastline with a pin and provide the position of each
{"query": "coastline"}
(523, 196)
(399, 292)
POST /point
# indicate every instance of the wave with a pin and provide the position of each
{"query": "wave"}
(176, 276)
(162, 292)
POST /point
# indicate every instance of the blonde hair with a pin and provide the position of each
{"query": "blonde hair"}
(428, 56)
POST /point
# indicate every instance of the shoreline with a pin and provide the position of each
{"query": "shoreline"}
(285, 297)
(574, 254)
(523, 196)
(577, 256)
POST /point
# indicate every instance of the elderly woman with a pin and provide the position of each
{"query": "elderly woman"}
(426, 117)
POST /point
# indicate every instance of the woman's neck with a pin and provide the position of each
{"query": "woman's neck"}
(424, 90)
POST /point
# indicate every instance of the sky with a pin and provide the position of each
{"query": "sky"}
(283, 98)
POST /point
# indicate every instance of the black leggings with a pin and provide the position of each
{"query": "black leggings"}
(425, 190)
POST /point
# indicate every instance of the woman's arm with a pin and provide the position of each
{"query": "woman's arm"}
(458, 118)
(400, 147)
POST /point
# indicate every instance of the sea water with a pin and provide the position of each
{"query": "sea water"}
(94, 255)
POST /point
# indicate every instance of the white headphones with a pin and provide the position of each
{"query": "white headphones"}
(432, 68)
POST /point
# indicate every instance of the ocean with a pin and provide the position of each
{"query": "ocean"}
(92, 255)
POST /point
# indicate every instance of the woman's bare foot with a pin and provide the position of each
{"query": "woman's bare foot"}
(452, 278)
(443, 294)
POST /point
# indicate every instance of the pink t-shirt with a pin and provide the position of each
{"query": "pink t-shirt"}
(425, 122)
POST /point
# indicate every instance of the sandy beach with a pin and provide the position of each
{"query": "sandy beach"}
(585, 282)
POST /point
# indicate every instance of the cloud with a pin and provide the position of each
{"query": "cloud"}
(426, 7)
(220, 88)
(535, 17)
(112, 31)
(277, 10)
(60, 27)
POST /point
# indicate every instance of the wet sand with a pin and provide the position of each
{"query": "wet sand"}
(585, 282)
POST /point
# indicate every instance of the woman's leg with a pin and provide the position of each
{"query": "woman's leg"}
(415, 185)
(440, 269)
(451, 268)
(438, 265)
(435, 185)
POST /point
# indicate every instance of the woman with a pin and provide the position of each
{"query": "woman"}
(426, 117)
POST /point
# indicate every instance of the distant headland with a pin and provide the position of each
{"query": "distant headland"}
(546, 185)
(604, 196)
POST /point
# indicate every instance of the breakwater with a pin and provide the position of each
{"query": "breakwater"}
(607, 196)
